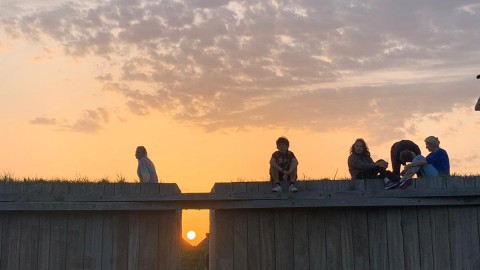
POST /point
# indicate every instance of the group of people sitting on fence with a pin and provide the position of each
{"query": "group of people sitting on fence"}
(283, 164)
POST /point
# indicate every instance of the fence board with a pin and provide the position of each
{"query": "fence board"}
(92, 259)
(11, 242)
(411, 244)
(395, 239)
(29, 241)
(441, 243)
(240, 233)
(75, 241)
(283, 239)
(300, 239)
(267, 240)
(253, 236)
(333, 239)
(317, 246)
(58, 241)
(133, 240)
(347, 240)
(359, 224)
(224, 229)
(148, 241)
(377, 233)
(425, 236)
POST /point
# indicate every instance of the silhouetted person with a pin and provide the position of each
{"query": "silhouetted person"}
(145, 170)
(426, 170)
(477, 106)
(438, 157)
(283, 166)
(361, 165)
(395, 151)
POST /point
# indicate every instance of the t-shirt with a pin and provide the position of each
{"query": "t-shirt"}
(427, 170)
(283, 159)
(439, 160)
(146, 168)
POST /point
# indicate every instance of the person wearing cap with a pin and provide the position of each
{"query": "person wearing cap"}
(438, 157)
(145, 170)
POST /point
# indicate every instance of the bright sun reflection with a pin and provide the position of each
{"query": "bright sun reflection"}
(191, 235)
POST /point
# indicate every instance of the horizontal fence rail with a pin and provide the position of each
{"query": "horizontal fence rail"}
(122, 197)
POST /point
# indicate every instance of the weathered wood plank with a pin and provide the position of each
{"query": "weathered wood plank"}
(395, 239)
(29, 241)
(377, 233)
(346, 240)
(224, 229)
(411, 244)
(253, 239)
(425, 236)
(464, 237)
(359, 224)
(283, 239)
(267, 240)
(317, 246)
(240, 233)
(441, 236)
(92, 259)
(300, 239)
(133, 240)
(11, 235)
(58, 241)
(75, 241)
(149, 241)
(333, 238)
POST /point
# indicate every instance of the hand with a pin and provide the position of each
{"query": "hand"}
(285, 175)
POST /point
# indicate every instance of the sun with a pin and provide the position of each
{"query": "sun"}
(191, 235)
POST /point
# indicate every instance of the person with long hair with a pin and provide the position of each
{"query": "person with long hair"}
(361, 165)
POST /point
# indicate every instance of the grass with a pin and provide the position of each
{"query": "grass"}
(8, 177)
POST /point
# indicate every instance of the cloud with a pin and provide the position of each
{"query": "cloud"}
(311, 64)
(43, 121)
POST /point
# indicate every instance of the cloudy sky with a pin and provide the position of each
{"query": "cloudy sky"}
(208, 86)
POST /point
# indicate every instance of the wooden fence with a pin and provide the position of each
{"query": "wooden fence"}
(433, 224)
(86, 226)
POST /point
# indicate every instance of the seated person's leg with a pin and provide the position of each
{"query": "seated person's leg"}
(293, 176)
(274, 175)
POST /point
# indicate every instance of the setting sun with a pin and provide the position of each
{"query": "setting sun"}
(191, 235)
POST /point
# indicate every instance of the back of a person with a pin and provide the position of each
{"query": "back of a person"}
(151, 169)
(439, 159)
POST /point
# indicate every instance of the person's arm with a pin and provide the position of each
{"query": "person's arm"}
(420, 162)
(355, 161)
(293, 166)
(274, 165)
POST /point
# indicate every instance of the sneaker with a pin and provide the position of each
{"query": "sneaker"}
(292, 188)
(277, 188)
(390, 184)
(404, 183)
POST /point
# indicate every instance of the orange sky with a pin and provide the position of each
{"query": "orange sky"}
(207, 87)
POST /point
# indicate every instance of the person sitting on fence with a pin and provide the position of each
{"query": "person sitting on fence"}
(361, 166)
(395, 151)
(438, 157)
(426, 170)
(283, 166)
(145, 170)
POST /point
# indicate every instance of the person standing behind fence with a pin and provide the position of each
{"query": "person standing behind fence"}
(283, 166)
(438, 157)
(361, 166)
(395, 151)
(145, 170)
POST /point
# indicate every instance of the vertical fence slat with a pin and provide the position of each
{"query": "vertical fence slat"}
(240, 233)
(300, 239)
(283, 239)
(317, 246)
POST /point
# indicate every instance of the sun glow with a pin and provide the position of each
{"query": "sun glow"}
(191, 235)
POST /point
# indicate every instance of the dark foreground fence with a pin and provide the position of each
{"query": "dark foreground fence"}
(433, 224)
(87, 226)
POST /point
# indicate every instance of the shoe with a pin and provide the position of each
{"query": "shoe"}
(292, 188)
(390, 184)
(404, 183)
(277, 188)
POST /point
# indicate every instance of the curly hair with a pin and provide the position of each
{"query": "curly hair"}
(365, 152)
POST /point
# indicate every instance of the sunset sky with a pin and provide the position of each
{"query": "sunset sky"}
(208, 86)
